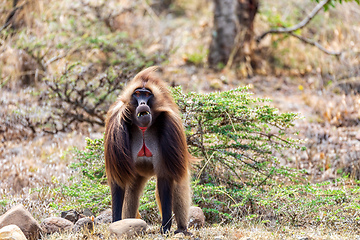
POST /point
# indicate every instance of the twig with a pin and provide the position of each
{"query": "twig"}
(227, 194)
(11, 15)
(37, 59)
(202, 169)
(300, 25)
(151, 12)
(55, 58)
(273, 135)
(316, 44)
(265, 179)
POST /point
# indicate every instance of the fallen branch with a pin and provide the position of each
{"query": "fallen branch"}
(300, 25)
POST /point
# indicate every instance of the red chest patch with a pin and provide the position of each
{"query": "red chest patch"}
(144, 151)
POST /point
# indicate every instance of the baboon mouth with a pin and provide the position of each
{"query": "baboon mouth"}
(140, 114)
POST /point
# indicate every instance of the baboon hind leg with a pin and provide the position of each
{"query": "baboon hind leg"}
(158, 202)
(132, 197)
(181, 204)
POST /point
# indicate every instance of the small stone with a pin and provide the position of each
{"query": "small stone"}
(22, 218)
(86, 224)
(196, 217)
(302, 238)
(88, 213)
(11, 232)
(70, 215)
(128, 227)
(357, 136)
(181, 235)
(16, 150)
(104, 217)
(56, 224)
(216, 84)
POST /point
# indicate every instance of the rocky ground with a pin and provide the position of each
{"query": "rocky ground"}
(72, 225)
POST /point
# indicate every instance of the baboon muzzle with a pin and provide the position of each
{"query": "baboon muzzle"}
(143, 115)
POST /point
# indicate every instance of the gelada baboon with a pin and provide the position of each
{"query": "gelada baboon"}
(145, 137)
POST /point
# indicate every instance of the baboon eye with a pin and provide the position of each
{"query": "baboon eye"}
(142, 93)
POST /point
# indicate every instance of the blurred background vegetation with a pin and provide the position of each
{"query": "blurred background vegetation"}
(284, 150)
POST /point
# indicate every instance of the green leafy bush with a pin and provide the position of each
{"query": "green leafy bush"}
(237, 137)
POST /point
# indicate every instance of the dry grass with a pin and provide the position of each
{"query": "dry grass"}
(228, 232)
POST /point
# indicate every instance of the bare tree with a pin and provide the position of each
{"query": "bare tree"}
(161, 5)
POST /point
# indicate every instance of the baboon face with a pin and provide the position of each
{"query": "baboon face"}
(142, 100)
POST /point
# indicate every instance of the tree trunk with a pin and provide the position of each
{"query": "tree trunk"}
(161, 5)
(233, 35)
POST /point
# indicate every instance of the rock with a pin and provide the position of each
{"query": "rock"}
(88, 213)
(357, 136)
(20, 182)
(71, 215)
(182, 235)
(104, 217)
(11, 232)
(22, 218)
(86, 224)
(56, 224)
(196, 217)
(16, 151)
(302, 238)
(128, 227)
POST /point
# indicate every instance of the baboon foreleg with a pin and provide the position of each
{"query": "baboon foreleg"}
(117, 200)
(165, 190)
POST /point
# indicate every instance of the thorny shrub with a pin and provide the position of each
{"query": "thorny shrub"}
(73, 70)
